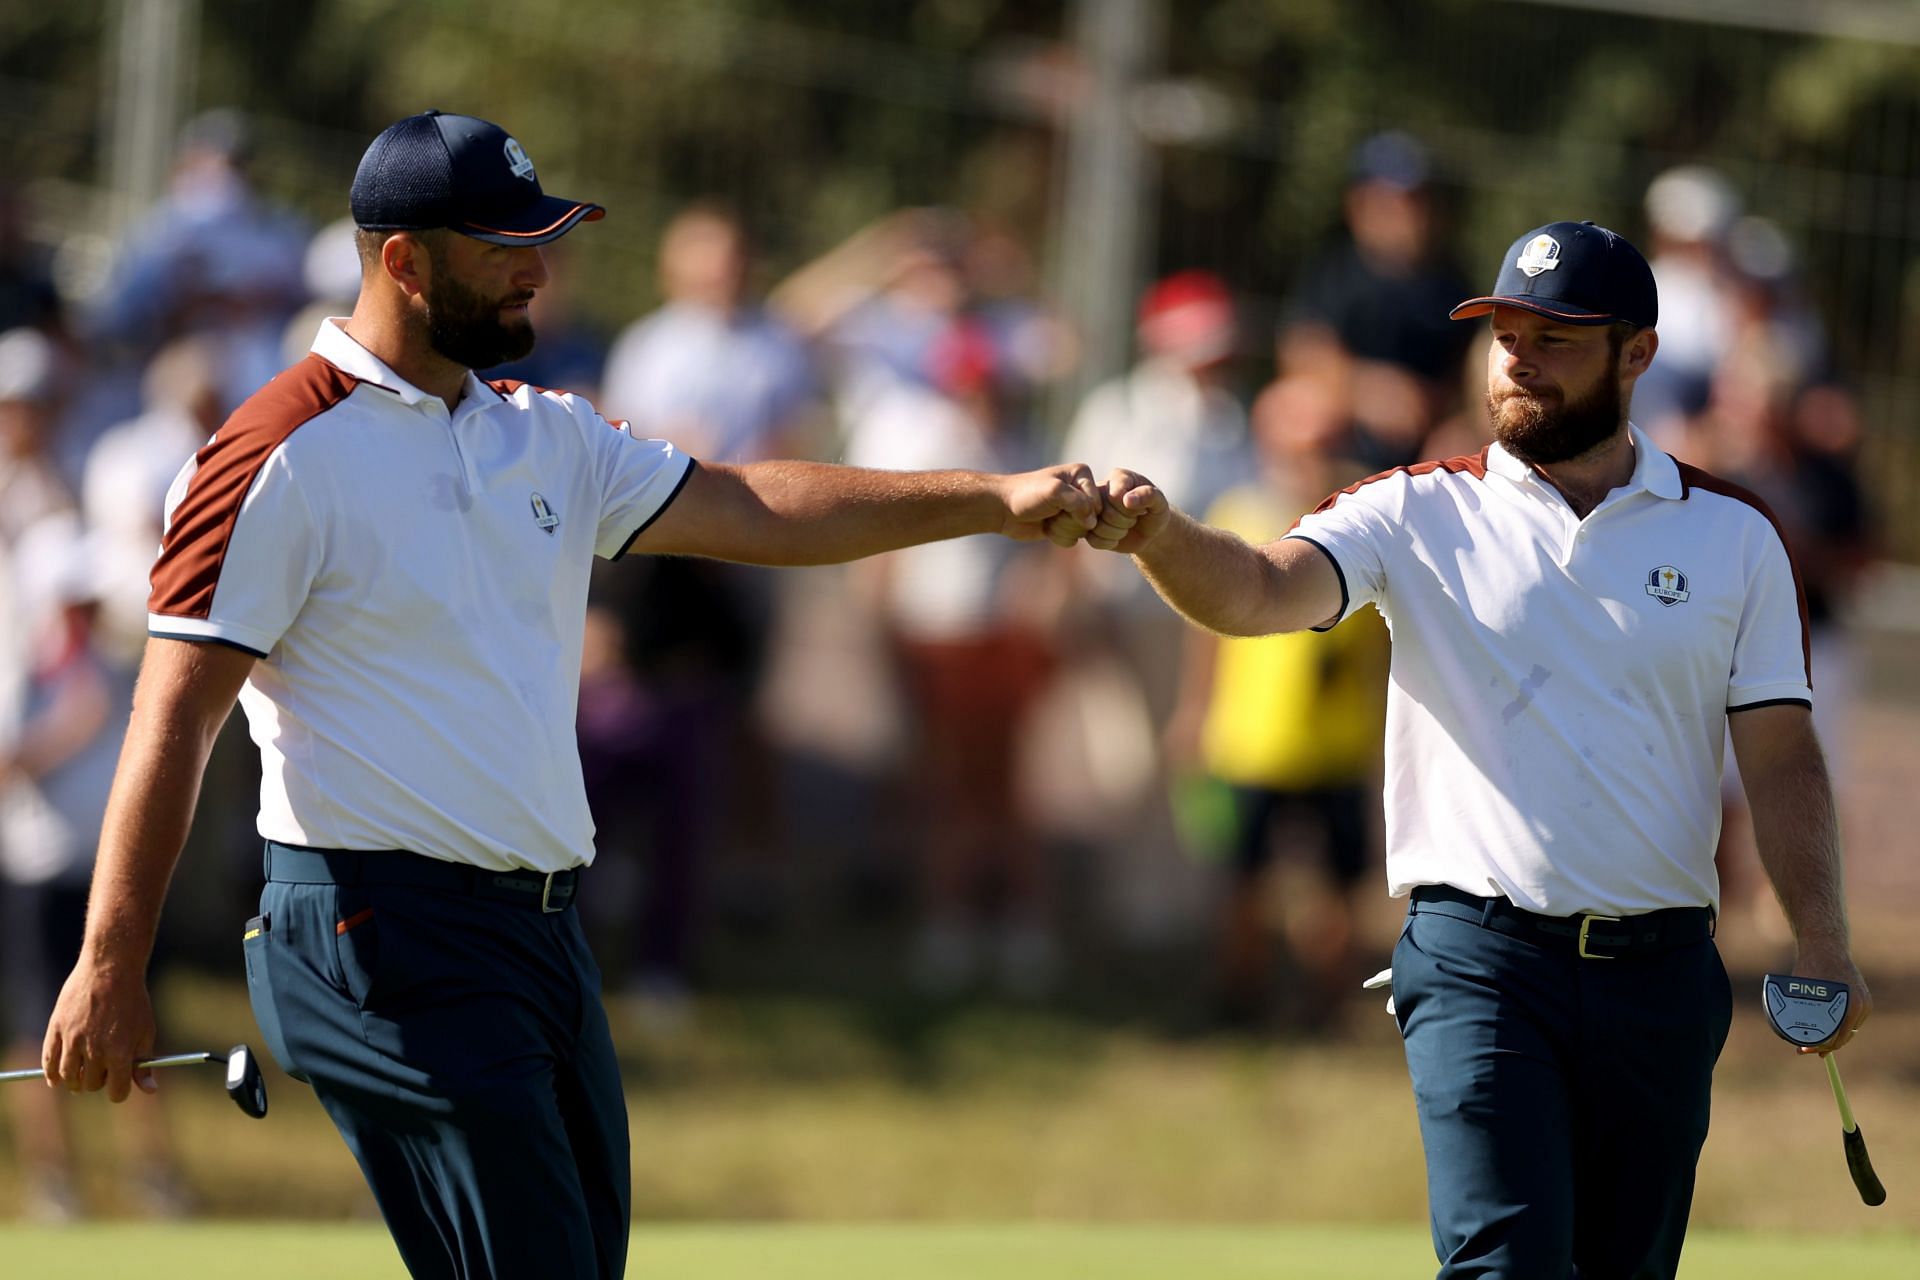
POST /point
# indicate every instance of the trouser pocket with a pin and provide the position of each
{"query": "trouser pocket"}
(257, 942)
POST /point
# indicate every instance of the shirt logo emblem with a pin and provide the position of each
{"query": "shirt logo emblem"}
(1667, 585)
(1541, 254)
(517, 160)
(544, 517)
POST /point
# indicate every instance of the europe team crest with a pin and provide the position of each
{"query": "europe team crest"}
(544, 517)
(1541, 254)
(1667, 585)
(518, 161)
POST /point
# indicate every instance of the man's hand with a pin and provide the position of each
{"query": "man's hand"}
(1132, 513)
(102, 1023)
(1815, 960)
(1058, 503)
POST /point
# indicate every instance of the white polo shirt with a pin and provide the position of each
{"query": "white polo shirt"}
(415, 583)
(1560, 687)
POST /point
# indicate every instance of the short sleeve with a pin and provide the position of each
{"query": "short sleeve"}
(1771, 652)
(1353, 532)
(638, 479)
(234, 571)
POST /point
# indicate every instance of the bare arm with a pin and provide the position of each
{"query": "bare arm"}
(1794, 826)
(792, 513)
(104, 1020)
(1211, 576)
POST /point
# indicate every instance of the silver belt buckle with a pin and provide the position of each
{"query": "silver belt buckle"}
(546, 895)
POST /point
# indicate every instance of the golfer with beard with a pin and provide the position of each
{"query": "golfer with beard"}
(1577, 622)
(386, 559)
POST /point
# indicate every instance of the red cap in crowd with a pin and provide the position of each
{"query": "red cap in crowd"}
(1189, 317)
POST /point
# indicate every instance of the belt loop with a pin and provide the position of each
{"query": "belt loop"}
(266, 860)
(1487, 912)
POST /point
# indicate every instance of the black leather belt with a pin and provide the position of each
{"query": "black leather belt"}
(544, 891)
(1592, 937)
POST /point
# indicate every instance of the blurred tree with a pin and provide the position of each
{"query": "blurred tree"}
(815, 116)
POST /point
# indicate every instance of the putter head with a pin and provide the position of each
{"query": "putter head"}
(1803, 1011)
(244, 1084)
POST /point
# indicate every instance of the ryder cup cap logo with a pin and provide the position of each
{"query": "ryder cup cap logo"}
(1541, 254)
(518, 161)
(1667, 585)
(543, 515)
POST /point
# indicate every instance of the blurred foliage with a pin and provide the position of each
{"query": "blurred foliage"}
(816, 117)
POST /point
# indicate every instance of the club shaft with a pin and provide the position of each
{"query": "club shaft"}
(1840, 1094)
(171, 1060)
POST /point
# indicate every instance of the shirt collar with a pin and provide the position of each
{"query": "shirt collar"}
(1653, 469)
(337, 347)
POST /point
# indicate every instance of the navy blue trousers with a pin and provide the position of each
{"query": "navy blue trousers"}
(1563, 1101)
(459, 1045)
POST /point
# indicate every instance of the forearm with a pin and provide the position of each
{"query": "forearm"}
(1221, 582)
(184, 695)
(1797, 834)
(151, 808)
(799, 513)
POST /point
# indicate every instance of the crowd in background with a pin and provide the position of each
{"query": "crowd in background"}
(959, 715)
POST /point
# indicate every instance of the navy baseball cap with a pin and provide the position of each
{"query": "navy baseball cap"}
(439, 170)
(1573, 272)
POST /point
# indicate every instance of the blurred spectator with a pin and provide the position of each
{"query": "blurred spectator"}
(1370, 314)
(1469, 429)
(1291, 726)
(211, 257)
(970, 620)
(646, 761)
(1172, 418)
(330, 270)
(1796, 448)
(56, 768)
(727, 381)
(1037, 345)
(1765, 305)
(1171, 415)
(710, 370)
(880, 301)
(30, 483)
(128, 472)
(1690, 209)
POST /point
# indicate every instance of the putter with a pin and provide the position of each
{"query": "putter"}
(244, 1083)
(1808, 1011)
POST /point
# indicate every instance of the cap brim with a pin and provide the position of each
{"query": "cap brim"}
(1473, 308)
(548, 218)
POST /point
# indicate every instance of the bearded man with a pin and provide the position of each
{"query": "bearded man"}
(1578, 620)
(386, 559)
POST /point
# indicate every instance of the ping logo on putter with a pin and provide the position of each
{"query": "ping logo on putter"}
(1803, 1011)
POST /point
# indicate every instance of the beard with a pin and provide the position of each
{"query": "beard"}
(465, 327)
(1548, 429)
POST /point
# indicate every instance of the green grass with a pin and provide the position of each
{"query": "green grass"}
(789, 1110)
(889, 1252)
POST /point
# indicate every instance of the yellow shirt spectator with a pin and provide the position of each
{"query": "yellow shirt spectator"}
(1300, 711)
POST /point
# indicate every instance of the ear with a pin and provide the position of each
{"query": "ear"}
(405, 261)
(1639, 353)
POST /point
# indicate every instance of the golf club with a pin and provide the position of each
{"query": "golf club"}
(244, 1083)
(1864, 1178)
(1808, 1011)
